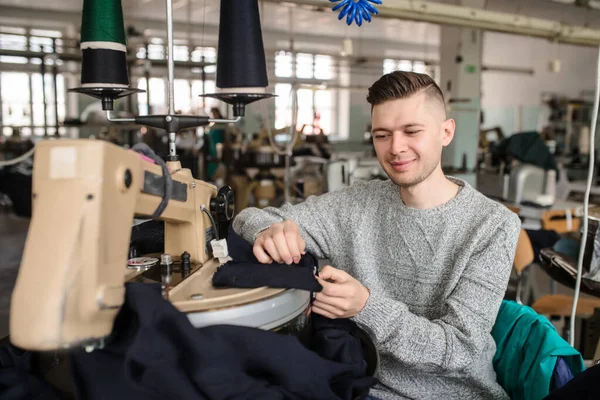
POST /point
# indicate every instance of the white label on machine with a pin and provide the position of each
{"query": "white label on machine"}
(63, 163)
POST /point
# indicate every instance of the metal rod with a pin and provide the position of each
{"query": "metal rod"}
(211, 120)
(55, 83)
(224, 121)
(118, 119)
(31, 107)
(171, 64)
(43, 71)
(147, 76)
(2, 116)
(171, 67)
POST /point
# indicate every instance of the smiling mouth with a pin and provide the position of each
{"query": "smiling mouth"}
(401, 165)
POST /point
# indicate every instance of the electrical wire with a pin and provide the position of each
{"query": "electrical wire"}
(18, 160)
(586, 201)
(293, 134)
(212, 221)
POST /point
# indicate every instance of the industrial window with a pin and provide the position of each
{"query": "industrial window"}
(180, 53)
(390, 65)
(187, 96)
(204, 104)
(209, 54)
(157, 95)
(317, 109)
(156, 50)
(23, 105)
(307, 66)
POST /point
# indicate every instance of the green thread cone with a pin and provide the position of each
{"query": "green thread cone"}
(102, 21)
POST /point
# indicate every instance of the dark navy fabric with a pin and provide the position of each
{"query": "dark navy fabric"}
(17, 378)
(584, 386)
(155, 353)
(245, 271)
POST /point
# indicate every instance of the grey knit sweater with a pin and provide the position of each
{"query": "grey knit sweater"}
(436, 277)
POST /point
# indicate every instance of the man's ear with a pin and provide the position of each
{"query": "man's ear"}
(447, 129)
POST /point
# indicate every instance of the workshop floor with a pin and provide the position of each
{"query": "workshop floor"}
(13, 231)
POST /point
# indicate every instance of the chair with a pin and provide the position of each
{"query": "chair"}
(561, 221)
(554, 305)
(523, 258)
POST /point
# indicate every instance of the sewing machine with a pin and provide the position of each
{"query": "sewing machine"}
(71, 281)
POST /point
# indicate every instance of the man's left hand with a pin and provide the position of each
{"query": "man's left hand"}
(342, 295)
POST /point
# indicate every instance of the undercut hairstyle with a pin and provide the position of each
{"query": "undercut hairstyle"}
(402, 84)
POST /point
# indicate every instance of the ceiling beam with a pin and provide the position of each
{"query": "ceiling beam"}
(466, 17)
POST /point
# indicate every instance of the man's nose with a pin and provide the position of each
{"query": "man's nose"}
(399, 144)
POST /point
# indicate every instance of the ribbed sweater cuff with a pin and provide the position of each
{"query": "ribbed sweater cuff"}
(251, 228)
(376, 315)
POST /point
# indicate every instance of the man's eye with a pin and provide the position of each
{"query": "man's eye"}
(380, 137)
(412, 132)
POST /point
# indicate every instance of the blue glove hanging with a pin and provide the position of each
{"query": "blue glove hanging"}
(356, 10)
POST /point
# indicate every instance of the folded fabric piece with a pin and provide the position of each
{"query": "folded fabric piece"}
(245, 271)
(17, 378)
(155, 353)
(561, 376)
(584, 386)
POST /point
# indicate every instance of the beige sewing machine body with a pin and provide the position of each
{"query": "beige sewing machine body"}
(71, 281)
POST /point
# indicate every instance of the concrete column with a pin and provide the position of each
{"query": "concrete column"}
(460, 64)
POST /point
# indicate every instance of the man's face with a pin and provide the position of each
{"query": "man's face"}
(408, 135)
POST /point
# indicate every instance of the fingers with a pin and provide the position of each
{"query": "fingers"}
(338, 312)
(332, 289)
(291, 238)
(294, 241)
(333, 274)
(281, 243)
(260, 253)
(282, 246)
(323, 312)
(301, 244)
(335, 302)
(270, 247)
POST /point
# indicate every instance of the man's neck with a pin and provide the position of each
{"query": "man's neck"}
(434, 191)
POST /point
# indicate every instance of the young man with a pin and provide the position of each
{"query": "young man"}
(421, 261)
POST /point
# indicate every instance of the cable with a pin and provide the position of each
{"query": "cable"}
(212, 221)
(586, 201)
(144, 149)
(294, 134)
(19, 159)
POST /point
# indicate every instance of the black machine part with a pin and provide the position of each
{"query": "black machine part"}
(223, 207)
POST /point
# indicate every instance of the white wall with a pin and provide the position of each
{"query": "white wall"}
(505, 95)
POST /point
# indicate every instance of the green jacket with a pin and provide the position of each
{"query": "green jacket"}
(527, 348)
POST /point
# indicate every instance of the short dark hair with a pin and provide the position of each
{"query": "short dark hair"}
(403, 84)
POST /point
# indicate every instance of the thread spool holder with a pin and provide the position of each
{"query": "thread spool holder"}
(239, 101)
(108, 95)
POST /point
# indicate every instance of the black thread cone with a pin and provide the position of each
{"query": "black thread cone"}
(241, 58)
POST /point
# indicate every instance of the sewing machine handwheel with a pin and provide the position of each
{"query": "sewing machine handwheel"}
(223, 204)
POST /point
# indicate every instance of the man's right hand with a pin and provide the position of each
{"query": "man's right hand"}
(281, 243)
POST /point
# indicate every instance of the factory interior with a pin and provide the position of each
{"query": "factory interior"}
(133, 133)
